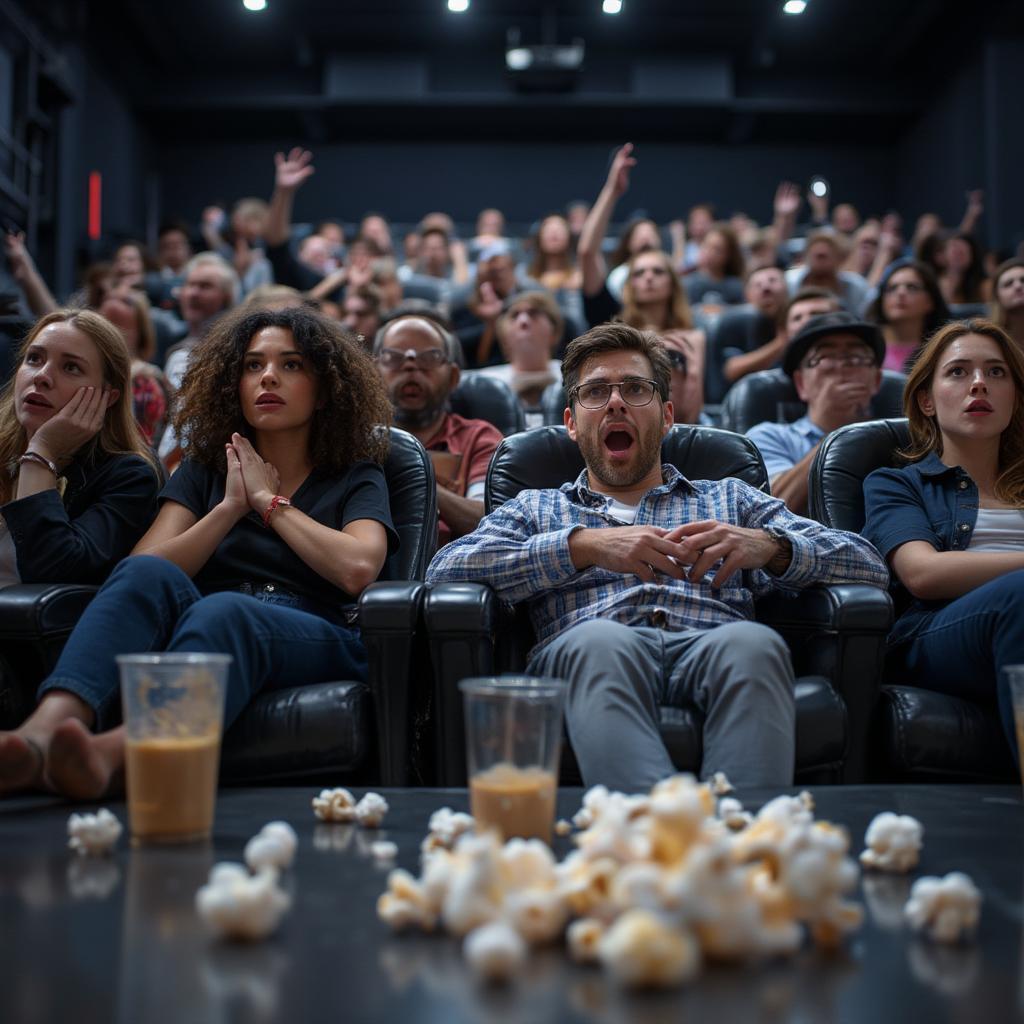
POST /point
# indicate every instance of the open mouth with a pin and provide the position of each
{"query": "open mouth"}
(979, 407)
(37, 402)
(619, 442)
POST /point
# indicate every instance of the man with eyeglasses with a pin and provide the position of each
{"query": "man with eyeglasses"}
(418, 361)
(835, 362)
(640, 584)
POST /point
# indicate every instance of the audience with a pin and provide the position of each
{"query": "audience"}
(823, 256)
(290, 440)
(908, 308)
(418, 361)
(623, 597)
(1008, 299)
(718, 278)
(84, 482)
(962, 274)
(951, 524)
(834, 361)
(765, 339)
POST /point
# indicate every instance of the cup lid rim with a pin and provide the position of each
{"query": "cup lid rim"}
(512, 684)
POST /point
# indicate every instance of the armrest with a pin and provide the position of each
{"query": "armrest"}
(42, 610)
(389, 618)
(461, 620)
(838, 632)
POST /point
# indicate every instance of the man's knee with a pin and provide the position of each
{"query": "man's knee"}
(750, 654)
(589, 644)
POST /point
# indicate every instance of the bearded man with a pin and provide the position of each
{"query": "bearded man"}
(640, 583)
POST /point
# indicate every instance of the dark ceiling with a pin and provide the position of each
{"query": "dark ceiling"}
(845, 69)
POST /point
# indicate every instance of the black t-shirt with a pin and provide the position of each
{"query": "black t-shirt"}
(251, 553)
(600, 307)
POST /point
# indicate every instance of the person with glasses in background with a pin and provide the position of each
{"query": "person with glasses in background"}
(640, 584)
(419, 363)
(835, 363)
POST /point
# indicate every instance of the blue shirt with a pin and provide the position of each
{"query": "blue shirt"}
(522, 550)
(783, 445)
(927, 501)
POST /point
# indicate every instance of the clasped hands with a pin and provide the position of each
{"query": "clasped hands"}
(251, 482)
(685, 552)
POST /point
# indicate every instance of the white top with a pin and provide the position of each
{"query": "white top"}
(998, 529)
(622, 513)
(8, 557)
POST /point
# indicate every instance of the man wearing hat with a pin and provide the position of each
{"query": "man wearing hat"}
(835, 362)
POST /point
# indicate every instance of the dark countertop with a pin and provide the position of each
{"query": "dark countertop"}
(118, 939)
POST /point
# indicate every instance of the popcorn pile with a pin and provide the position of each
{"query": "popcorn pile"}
(339, 806)
(657, 884)
(93, 834)
(238, 905)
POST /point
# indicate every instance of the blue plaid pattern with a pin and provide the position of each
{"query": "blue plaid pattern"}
(522, 550)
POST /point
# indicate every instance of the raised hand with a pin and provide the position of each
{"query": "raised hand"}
(261, 479)
(787, 199)
(489, 305)
(73, 426)
(618, 174)
(17, 255)
(292, 170)
(976, 202)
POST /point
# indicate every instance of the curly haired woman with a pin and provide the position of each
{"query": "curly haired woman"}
(275, 522)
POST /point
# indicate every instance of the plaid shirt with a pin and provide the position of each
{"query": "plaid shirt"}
(522, 550)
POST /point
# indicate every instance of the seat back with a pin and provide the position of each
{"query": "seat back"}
(413, 495)
(547, 457)
(479, 397)
(769, 396)
(736, 331)
(845, 458)
(553, 403)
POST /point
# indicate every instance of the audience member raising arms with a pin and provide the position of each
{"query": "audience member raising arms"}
(1008, 299)
(951, 524)
(909, 307)
(78, 484)
(272, 526)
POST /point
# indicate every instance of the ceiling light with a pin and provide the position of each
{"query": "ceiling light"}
(611, 6)
(458, 6)
(794, 6)
(254, 5)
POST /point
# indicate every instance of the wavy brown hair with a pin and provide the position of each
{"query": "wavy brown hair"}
(925, 435)
(119, 434)
(677, 311)
(355, 405)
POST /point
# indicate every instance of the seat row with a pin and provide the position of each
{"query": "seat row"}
(405, 725)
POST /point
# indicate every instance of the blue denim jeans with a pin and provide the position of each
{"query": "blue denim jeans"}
(149, 604)
(962, 648)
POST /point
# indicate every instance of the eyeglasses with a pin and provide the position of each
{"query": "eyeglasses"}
(908, 286)
(830, 362)
(428, 359)
(636, 392)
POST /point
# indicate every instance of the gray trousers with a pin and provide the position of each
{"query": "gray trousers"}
(738, 675)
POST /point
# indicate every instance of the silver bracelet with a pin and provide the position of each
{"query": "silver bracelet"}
(40, 460)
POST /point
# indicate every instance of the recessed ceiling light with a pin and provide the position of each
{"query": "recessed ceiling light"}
(254, 5)
(458, 6)
(794, 6)
(611, 6)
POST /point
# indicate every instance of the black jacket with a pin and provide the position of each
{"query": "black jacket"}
(108, 504)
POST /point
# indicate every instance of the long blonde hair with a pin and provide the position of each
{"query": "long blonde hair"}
(678, 313)
(119, 434)
(925, 434)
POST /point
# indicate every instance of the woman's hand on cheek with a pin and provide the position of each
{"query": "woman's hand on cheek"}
(64, 433)
(261, 478)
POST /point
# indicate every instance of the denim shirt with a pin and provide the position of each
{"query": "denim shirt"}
(926, 501)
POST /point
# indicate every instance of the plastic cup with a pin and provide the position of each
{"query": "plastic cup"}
(513, 740)
(1015, 677)
(173, 715)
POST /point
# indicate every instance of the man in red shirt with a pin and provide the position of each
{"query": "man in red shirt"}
(417, 359)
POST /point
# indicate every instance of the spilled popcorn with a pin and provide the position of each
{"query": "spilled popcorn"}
(945, 909)
(336, 805)
(657, 884)
(93, 834)
(237, 905)
(893, 842)
(370, 810)
(272, 847)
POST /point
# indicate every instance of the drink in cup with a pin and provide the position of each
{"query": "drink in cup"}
(1015, 677)
(513, 739)
(173, 714)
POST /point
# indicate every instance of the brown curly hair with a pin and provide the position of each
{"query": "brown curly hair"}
(348, 428)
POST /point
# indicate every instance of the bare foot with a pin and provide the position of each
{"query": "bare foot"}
(21, 763)
(78, 764)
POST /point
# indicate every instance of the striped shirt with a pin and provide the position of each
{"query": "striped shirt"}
(522, 550)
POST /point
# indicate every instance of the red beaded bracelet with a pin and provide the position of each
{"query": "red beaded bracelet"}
(276, 502)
